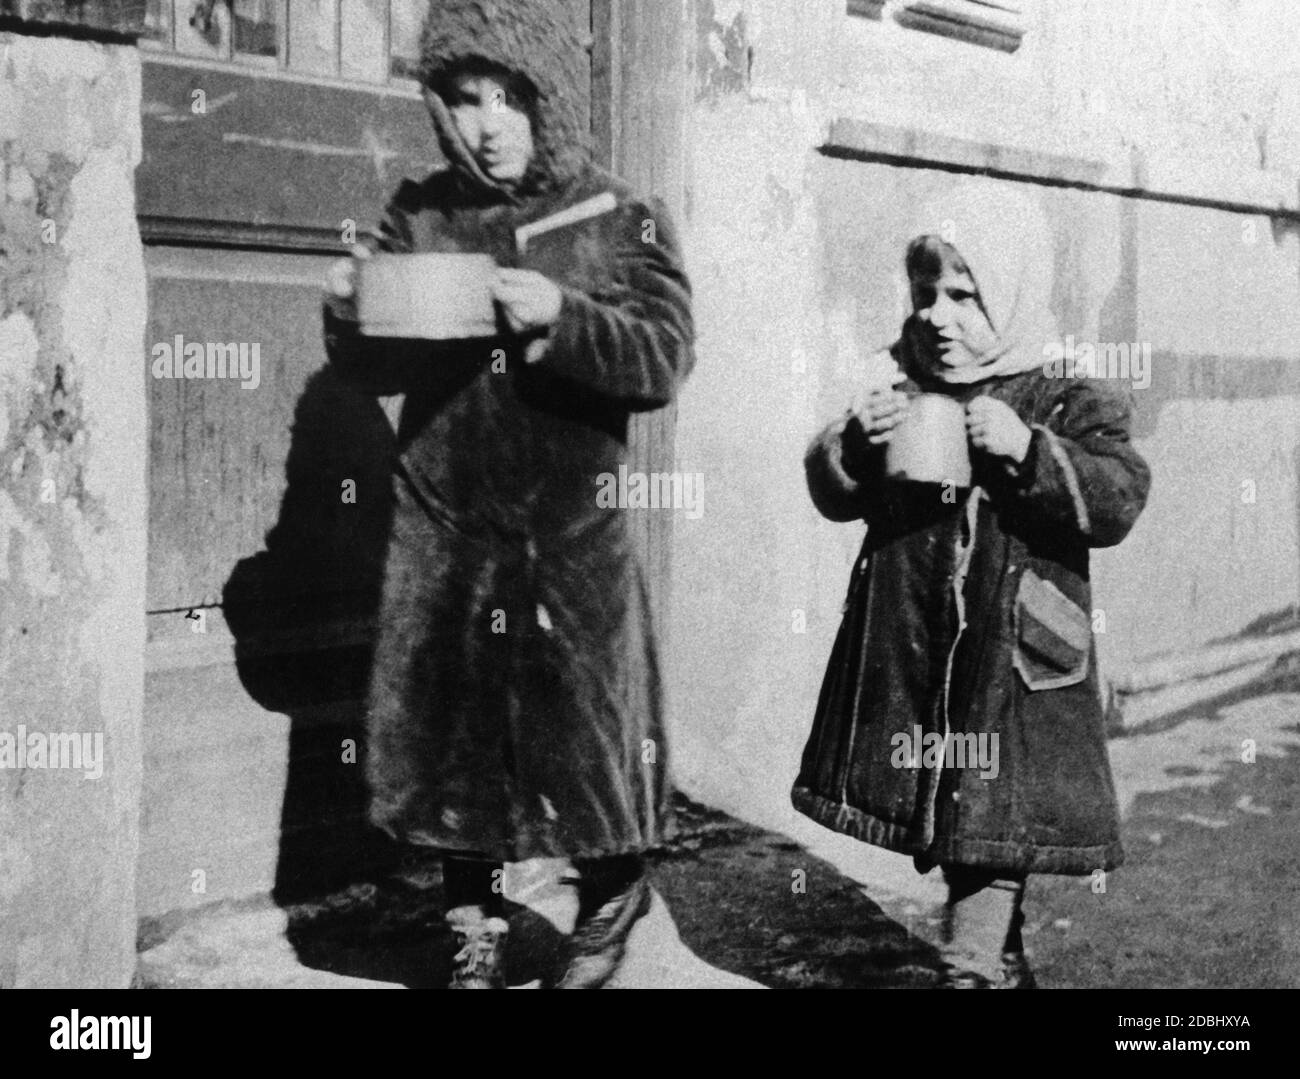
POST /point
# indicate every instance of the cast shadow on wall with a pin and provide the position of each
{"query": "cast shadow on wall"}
(302, 613)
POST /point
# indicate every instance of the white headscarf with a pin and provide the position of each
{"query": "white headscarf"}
(1003, 236)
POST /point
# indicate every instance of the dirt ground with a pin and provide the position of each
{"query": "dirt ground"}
(1206, 899)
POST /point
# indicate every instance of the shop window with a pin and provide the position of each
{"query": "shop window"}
(256, 28)
(314, 36)
(364, 33)
(202, 28)
(406, 18)
(373, 41)
(157, 24)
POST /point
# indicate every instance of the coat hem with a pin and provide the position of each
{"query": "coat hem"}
(981, 853)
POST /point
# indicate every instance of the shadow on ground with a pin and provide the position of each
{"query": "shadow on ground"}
(754, 903)
(744, 900)
(1206, 899)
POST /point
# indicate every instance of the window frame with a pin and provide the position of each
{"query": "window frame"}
(157, 47)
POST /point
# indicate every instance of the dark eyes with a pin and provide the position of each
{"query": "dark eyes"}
(925, 297)
(497, 99)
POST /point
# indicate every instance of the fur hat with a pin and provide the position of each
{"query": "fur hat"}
(543, 41)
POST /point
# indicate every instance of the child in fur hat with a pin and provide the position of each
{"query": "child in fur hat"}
(515, 706)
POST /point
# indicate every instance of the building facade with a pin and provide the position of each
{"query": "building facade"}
(189, 560)
(1163, 139)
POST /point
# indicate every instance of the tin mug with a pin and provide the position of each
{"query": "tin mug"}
(929, 444)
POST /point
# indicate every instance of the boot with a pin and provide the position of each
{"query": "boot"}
(480, 961)
(600, 940)
(1016, 972)
(954, 978)
(977, 921)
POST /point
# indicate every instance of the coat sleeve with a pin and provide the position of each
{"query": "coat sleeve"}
(634, 344)
(843, 471)
(1082, 473)
(376, 365)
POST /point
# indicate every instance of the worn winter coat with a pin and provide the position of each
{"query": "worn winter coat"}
(1007, 652)
(969, 610)
(515, 708)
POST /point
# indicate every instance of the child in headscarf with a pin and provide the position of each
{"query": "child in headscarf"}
(968, 619)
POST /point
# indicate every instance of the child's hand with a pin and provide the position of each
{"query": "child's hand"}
(878, 413)
(341, 283)
(994, 427)
(530, 300)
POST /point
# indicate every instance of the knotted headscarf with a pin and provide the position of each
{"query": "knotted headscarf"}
(1002, 235)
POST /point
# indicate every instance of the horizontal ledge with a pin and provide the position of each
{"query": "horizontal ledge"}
(396, 87)
(78, 31)
(970, 27)
(869, 140)
(203, 232)
(850, 136)
(1210, 660)
(1145, 712)
(971, 21)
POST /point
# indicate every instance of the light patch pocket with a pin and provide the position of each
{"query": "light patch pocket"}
(1053, 635)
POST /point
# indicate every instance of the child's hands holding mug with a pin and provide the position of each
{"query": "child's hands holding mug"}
(994, 427)
(877, 413)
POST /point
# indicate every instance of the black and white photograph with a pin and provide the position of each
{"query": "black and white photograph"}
(650, 494)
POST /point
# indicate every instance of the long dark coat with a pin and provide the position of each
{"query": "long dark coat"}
(971, 613)
(515, 708)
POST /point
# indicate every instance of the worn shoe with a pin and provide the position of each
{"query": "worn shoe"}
(598, 943)
(480, 961)
(953, 978)
(1016, 972)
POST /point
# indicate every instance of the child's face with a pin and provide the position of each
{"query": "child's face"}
(950, 325)
(493, 124)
